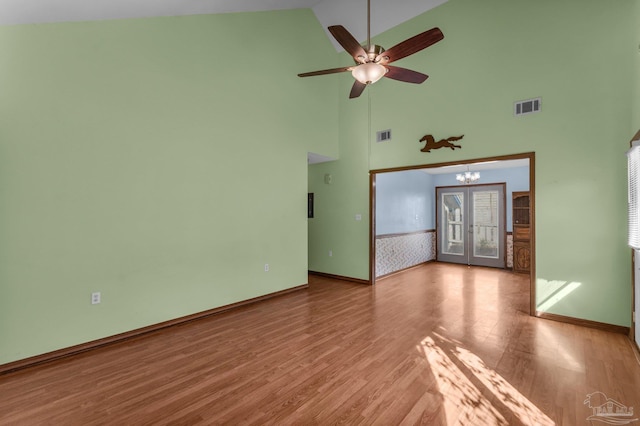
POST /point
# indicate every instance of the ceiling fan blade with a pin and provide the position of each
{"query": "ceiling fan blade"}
(403, 74)
(348, 42)
(357, 89)
(410, 46)
(323, 72)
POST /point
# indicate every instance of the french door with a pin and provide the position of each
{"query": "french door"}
(471, 225)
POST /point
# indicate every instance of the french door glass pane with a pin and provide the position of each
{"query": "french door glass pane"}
(485, 224)
(452, 223)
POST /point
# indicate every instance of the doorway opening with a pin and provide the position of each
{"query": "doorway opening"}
(418, 240)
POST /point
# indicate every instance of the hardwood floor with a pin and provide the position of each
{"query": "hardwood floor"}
(438, 345)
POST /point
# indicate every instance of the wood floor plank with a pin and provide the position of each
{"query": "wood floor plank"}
(435, 345)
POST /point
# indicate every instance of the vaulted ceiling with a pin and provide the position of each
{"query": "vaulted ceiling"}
(352, 14)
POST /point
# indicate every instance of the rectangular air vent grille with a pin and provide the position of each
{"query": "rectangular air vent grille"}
(383, 135)
(528, 106)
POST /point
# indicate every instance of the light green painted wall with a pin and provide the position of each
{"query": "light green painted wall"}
(147, 160)
(334, 227)
(636, 72)
(574, 54)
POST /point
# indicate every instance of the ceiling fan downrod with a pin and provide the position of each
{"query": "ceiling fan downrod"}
(368, 25)
(373, 51)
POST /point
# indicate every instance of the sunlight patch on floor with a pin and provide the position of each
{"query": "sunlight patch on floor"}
(520, 406)
(545, 337)
(468, 386)
(463, 402)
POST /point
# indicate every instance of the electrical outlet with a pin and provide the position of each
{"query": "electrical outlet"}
(330, 253)
(266, 267)
(95, 298)
(358, 217)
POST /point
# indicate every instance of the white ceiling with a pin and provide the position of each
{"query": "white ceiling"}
(313, 158)
(352, 14)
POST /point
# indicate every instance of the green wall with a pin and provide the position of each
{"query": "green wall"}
(636, 72)
(334, 227)
(149, 159)
(161, 162)
(575, 55)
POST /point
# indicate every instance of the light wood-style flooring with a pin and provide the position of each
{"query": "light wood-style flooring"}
(437, 345)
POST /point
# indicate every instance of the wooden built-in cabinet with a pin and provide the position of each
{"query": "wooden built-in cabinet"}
(521, 218)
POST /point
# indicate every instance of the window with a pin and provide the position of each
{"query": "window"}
(633, 168)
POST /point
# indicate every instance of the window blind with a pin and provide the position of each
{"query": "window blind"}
(633, 170)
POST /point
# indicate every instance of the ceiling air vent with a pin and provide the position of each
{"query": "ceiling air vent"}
(527, 107)
(383, 135)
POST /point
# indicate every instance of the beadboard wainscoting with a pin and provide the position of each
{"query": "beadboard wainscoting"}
(395, 252)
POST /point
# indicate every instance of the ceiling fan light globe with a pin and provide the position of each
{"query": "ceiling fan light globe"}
(369, 73)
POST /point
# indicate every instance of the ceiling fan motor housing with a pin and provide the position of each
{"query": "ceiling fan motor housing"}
(372, 53)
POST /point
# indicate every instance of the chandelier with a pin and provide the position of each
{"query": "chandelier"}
(468, 177)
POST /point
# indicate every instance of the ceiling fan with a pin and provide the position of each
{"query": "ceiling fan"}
(372, 61)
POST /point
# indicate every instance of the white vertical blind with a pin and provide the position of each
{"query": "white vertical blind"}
(637, 297)
(633, 158)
